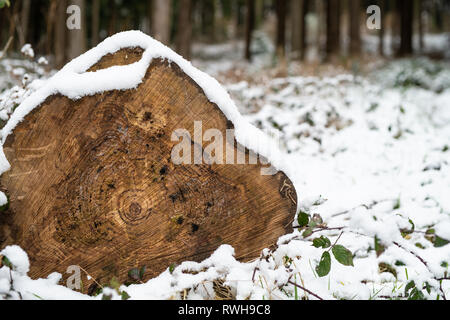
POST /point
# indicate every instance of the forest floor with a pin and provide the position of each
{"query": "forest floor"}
(372, 149)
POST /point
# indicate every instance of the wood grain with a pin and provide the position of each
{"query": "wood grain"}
(92, 183)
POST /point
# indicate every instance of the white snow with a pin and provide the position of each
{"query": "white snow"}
(27, 50)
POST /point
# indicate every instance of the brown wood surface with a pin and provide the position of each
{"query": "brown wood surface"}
(92, 183)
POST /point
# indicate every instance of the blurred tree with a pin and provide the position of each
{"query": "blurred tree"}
(418, 6)
(95, 22)
(250, 25)
(382, 4)
(333, 28)
(298, 33)
(280, 8)
(161, 21)
(60, 34)
(77, 37)
(184, 28)
(50, 27)
(395, 24)
(355, 25)
(24, 21)
(406, 30)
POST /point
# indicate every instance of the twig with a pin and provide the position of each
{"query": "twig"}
(304, 289)
(336, 241)
(5, 49)
(413, 253)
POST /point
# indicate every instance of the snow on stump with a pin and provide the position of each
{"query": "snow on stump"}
(92, 181)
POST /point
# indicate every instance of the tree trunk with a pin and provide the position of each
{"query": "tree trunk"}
(77, 37)
(355, 27)
(92, 182)
(381, 31)
(24, 20)
(250, 25)
(280, 7)
(419, 9)
(95, 35)
(184, 34)
(49, 35)
(161, 20)
(406, 31)
(395, 25)
(298, 12)
(60, 34)
(333, 28)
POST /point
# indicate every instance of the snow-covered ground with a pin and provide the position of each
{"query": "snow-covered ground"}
(372, 160)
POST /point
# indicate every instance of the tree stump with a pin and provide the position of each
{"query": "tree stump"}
(92, 182)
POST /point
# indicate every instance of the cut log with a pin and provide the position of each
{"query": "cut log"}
(92, 182)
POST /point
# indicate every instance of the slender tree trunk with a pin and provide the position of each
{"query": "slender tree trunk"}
(381, 31)
(298, 10)
(280, 6)
(25, 19)
(161, 20)
(113, 19)
(406, 31)
(395, 24)
(419, 9)
(333, 28)
(320, 8)
(77, 37)
(60, 34)
(184, 35)
(250, 25)
(355, 27)
(95, 35)
(49, 36)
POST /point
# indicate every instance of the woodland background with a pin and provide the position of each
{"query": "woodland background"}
(299, 29)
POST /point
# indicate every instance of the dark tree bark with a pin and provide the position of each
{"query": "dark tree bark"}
(298, 11)
(60, 34)
(333, 27)
(395, 24)
(184, 34)
(95, 23)
(50, 28)
(419, 9)
(250, 25)
(24, 20)
(406, 30)
(355, 25)
(280, 7)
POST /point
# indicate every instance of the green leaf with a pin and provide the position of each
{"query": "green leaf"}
(416, 294)
(142, 272)
(322, 242)
(439, 242)
(343, 255)
(134, 274)
(303, 219)
(324, 267)
(172, 268)
(125, 296)
(307, 233)
(6, 262)
(409, 286)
